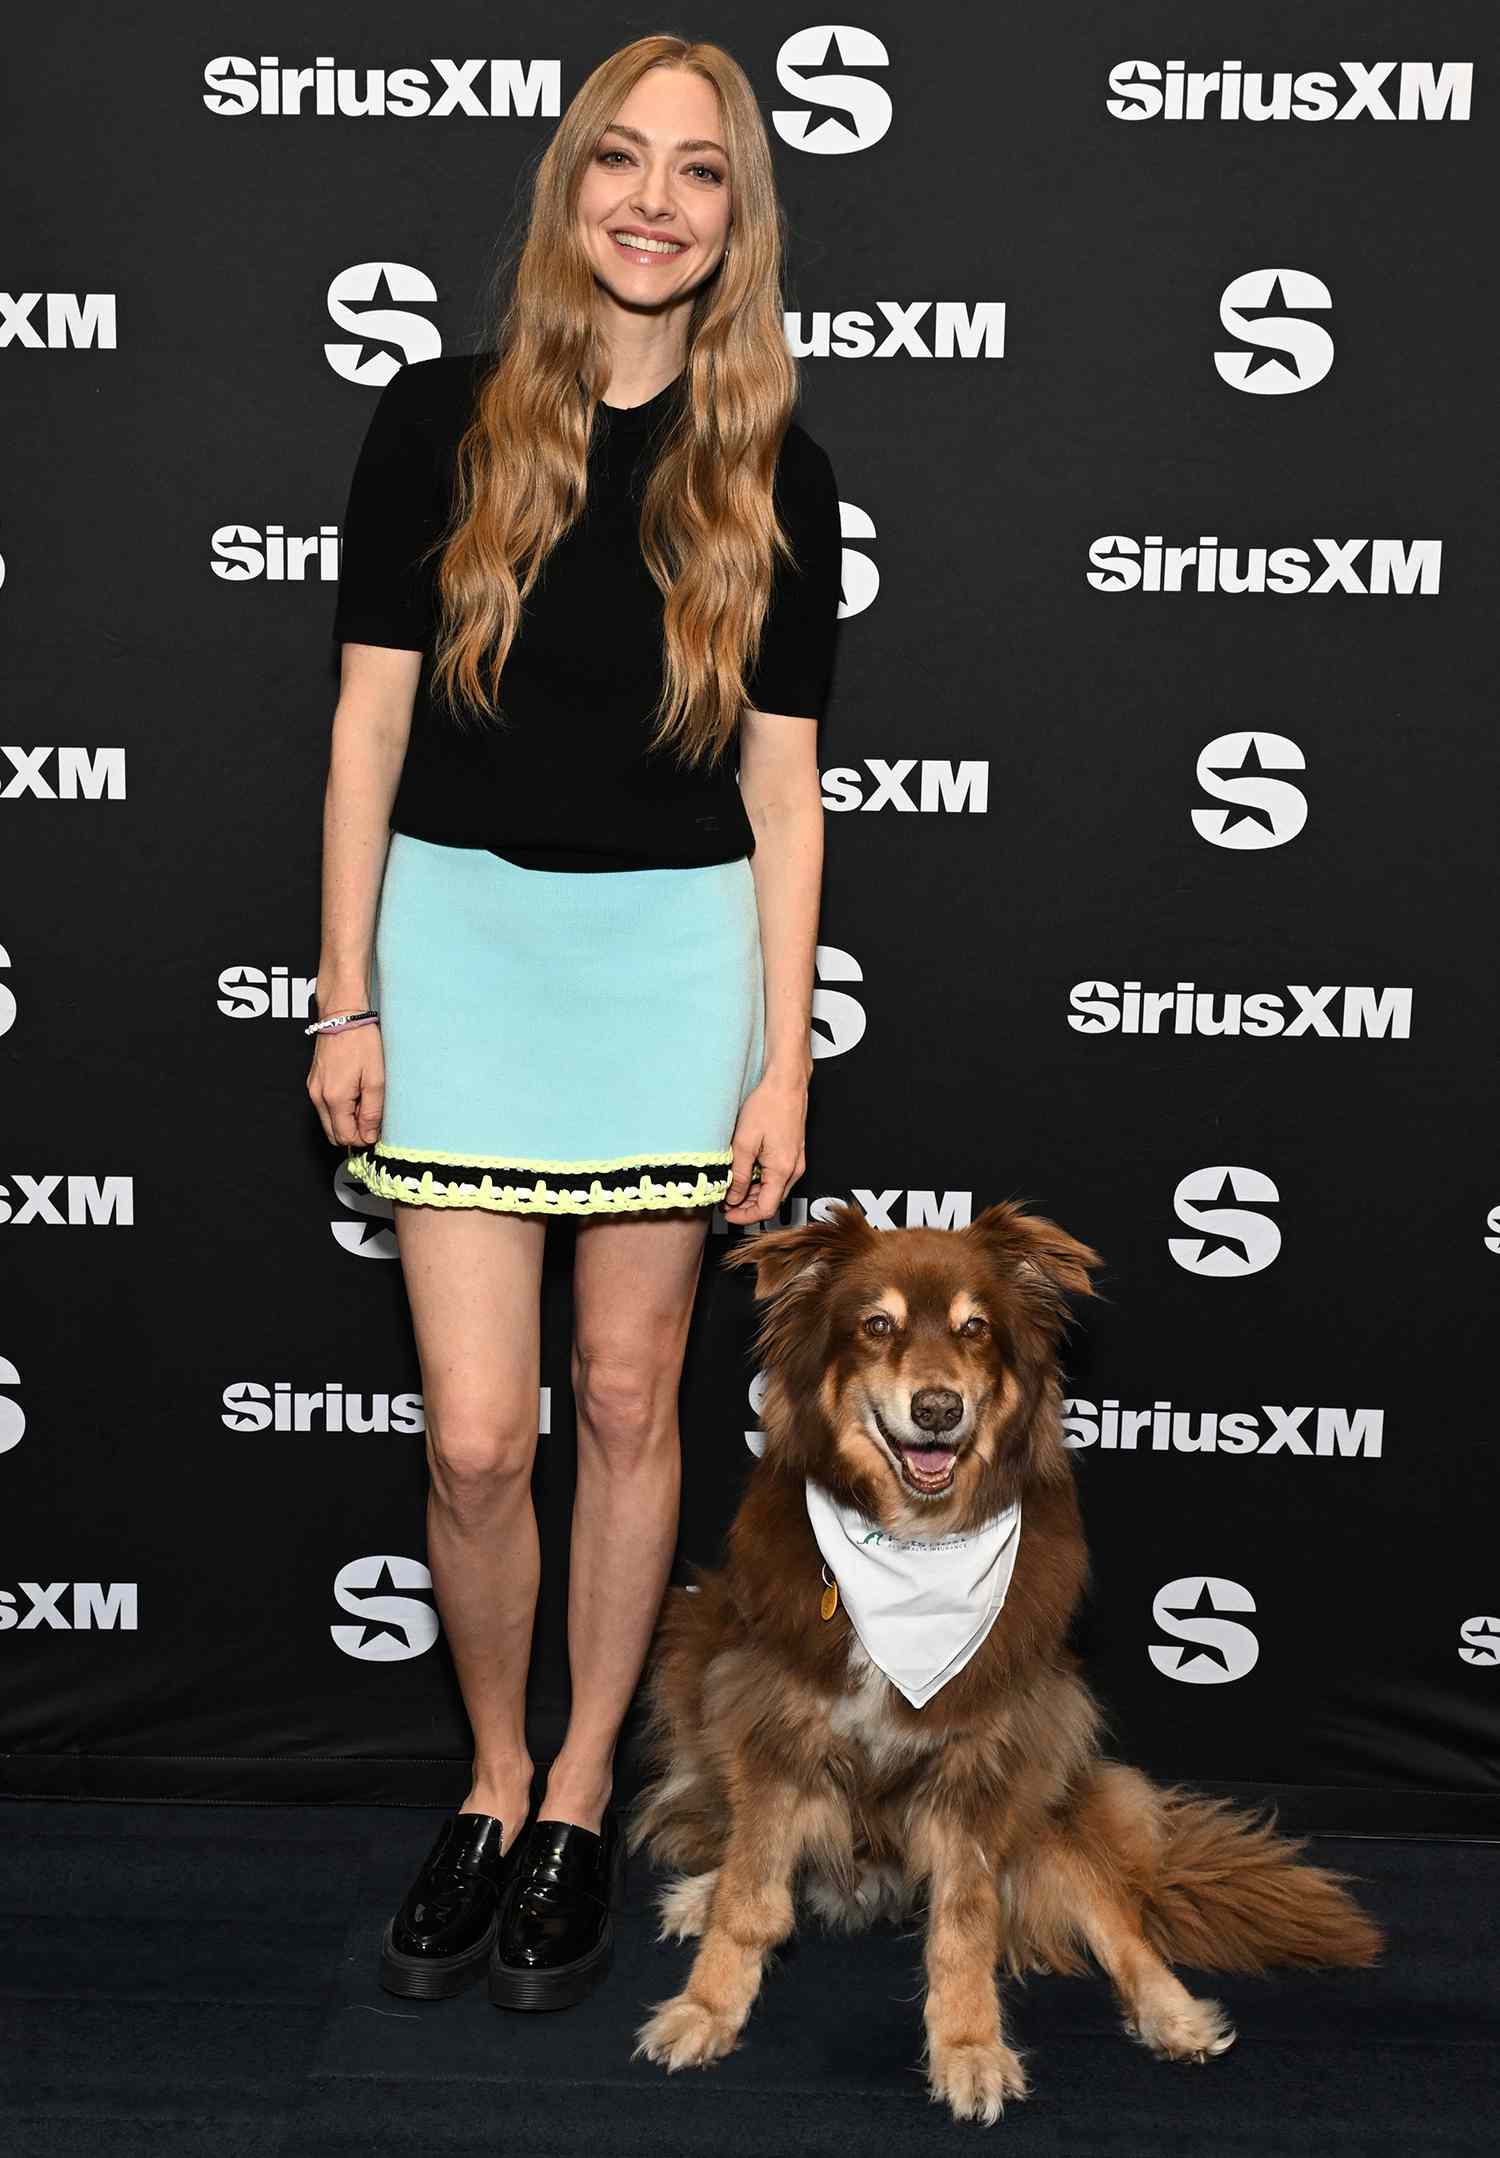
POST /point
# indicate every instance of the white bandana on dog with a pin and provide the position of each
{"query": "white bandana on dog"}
(920, 1605)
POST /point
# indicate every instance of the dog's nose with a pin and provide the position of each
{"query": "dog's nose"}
(936, 1408)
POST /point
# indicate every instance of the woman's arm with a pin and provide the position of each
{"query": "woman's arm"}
(782, 793)
(371, 725)
(783, 797)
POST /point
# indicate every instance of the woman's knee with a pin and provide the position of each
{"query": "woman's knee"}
(620, 1394)
(475, 1449)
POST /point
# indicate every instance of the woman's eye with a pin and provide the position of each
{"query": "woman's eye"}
(710, 170)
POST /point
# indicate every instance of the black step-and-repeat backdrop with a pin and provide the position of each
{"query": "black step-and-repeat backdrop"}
(1154, 350)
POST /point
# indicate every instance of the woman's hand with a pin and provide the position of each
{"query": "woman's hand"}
(771, 1127)
(347, 1084)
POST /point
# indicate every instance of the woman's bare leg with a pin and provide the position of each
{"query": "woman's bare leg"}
(634, 1280)
(473, 1280)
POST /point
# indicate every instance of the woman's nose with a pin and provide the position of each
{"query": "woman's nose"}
(652, 198)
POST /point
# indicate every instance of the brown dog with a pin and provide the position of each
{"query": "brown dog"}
(912, 1373)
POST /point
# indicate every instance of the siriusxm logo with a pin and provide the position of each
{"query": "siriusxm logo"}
(901, 1209)
(941, 786)
(474, 89)
(836, 111)
(838, 1018)
(1263, 309)
(247, 992)
(364, 1226)
(1357, 90)
(1306, 1433)
(75, 321)
(1260, 809)
(78, 775)
(1125, 564)
(859, 574)
(1230, 1239)
(1206, 1649)
(97, 1607)
(387, 1625)
(251, 1406)
(92, 1201)
(1099, 1007)
(247, 554)
(958, 330)
(393, 292)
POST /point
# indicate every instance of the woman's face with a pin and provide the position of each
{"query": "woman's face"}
(658, 174)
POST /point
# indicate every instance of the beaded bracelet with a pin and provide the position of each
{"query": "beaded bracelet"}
(342, 1019)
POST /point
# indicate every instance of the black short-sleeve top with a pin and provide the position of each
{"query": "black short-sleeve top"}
(567, 780)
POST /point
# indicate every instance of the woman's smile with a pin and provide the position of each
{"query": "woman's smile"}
(646, 247)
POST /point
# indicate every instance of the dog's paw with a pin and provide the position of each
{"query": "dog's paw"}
(1185, 2030)
(975, 2080)
(683, 1905)
(685, 2034)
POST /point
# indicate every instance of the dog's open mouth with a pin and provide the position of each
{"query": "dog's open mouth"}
(928, 1465)
(927, 1468)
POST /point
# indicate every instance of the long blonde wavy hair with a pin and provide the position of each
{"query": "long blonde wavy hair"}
(708, 527)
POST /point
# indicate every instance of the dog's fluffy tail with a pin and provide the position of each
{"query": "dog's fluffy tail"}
(1231, 1893)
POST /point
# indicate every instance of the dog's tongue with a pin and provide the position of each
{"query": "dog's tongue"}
(929, 1460)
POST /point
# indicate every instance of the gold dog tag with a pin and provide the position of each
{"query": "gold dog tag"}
(830, 1599)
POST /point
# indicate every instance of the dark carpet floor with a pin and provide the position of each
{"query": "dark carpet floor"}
(202, 1980)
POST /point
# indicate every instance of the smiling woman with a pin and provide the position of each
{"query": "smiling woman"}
(640, 238)
(479, 539)
(572, 851)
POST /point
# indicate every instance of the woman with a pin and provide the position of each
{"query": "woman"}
(582, 572)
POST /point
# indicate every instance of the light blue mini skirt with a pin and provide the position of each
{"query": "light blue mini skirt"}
(559, 1042)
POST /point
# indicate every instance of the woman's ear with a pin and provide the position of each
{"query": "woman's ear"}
(1028, 1244)
(792, 1260)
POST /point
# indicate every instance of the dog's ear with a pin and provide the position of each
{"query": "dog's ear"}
(806, 1257)
(1030, 1245)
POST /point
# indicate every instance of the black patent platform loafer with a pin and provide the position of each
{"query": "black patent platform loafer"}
(441, 1936)
(557, 1923)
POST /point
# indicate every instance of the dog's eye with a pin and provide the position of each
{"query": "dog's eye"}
(880, 1322)
(975, 1326)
